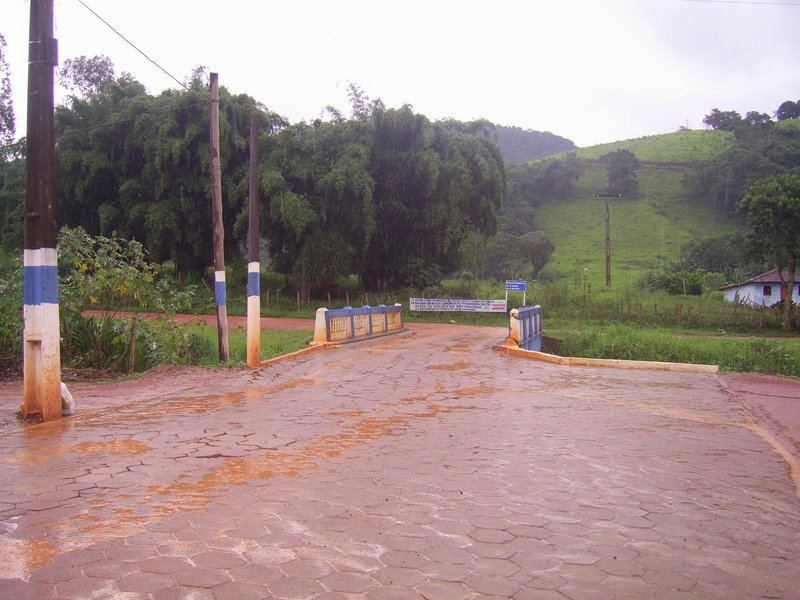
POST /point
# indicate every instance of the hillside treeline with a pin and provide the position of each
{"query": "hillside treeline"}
(522, 145)
(383, 194)
(762, 147)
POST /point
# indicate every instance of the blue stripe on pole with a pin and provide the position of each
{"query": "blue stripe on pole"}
(40, 285)
(220, 293)
(254, 284)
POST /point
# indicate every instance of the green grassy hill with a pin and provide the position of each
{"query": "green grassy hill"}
(647, 233)
(685, 146)
(789, 124)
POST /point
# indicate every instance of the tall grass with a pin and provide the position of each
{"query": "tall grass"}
(628, 304)
(630, 343)
(274, 342)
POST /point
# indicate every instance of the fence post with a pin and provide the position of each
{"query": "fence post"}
(514, 333)
(320, 327)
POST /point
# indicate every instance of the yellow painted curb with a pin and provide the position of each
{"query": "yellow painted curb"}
(605, 362)
(297, 353)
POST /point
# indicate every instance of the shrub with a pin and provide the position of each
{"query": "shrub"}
(11, 313)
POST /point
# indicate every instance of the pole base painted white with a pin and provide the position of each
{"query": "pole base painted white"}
(253, 332)
(41, 362)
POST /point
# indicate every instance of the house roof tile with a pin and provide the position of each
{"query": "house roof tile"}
(768, 277)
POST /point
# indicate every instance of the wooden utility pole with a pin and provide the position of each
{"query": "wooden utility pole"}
(608, 245)
(253, 262)
(220, 291)
(608, 234)
(41, 336)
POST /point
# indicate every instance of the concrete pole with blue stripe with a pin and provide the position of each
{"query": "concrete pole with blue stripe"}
(253, 256)
(220, 290)
(41, 334)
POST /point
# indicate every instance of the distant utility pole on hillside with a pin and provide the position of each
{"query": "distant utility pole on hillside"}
(608, 234)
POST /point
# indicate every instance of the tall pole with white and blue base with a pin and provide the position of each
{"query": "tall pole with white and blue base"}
(253, 255)
(220, 290)
(41, 334)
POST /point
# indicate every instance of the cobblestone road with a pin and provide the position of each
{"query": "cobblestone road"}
(417, 466)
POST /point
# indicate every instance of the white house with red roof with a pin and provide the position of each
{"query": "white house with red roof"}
(762, 290)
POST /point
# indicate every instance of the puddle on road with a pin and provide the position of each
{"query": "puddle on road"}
(37, 455)
(451, 367)
(19, 558)
(481, 389)
(112, 419)
(104, 519)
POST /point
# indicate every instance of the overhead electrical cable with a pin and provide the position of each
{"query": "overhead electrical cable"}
(135, 47)
(759, 2)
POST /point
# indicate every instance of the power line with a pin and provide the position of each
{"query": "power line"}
(132, 45)
(761, 2)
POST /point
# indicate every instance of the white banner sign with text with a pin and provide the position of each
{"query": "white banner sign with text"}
(446, 304)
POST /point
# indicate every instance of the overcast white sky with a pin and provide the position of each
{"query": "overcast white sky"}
(593, 71)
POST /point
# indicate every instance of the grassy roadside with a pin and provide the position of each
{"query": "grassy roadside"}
(274, 342)
(742, 354)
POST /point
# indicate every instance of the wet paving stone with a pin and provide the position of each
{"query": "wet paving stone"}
(360, 472)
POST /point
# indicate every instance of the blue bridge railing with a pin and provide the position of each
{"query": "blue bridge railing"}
(354, 323)
(529, 334)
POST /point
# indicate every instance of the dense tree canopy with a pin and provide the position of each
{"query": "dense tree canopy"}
(7, 125)
(788, 110)
(385, 195)
(146, 176)
(87, 75)
(521, 145)
(761, 149)
(621, 177)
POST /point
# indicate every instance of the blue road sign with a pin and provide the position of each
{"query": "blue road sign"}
(513, 285)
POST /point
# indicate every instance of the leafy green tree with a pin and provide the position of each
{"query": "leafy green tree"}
(543, 181)
(11, 300)
(88, 76)
(788, 110)
(12, 166)
(621, 178)
(716, 255)
(722, 120)
(12, 193)
(517, 256)
(7, 126)
(772, 209)
(757, 119)
(111, 274)
(505, 259)
(537, 246)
